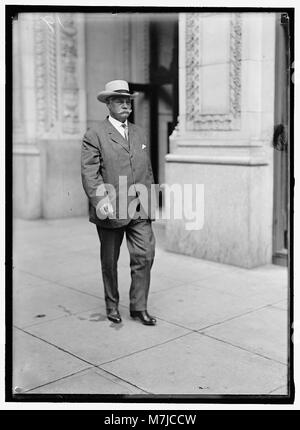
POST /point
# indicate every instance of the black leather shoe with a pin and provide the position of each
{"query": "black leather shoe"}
(144, 317)
(113, 315)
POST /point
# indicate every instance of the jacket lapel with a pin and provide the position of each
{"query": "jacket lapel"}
(116, 136)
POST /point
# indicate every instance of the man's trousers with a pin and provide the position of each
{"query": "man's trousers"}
(141, 246)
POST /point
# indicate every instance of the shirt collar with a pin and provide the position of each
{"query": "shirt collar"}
(115, 122)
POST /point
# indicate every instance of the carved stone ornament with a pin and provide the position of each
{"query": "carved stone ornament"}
(45, 73)
(195, 120)
(57, 91)
(69, 66)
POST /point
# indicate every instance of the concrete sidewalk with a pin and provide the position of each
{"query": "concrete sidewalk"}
(220, 330)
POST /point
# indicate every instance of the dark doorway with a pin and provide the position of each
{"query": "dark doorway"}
(281, 141)
(161, 91)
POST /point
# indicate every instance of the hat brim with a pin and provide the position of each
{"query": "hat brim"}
(104, 95)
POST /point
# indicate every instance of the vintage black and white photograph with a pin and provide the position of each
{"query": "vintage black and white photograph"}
(151, 174)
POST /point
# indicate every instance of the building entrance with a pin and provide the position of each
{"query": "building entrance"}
(281, 141)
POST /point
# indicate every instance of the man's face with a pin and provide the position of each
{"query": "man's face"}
(119, 107)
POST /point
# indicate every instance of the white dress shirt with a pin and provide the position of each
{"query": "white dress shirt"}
(118, 125)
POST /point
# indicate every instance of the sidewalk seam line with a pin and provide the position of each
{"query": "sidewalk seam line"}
(70, 353)
(145, 349)
(244, 349)
(58, 379)
(55, 346)
(281, 386)
(234, 317)
(121, 379)
(84, 370)
(101, 364)
(197, 330)
(57, 282)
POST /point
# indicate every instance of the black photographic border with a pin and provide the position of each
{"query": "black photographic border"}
(11, 12)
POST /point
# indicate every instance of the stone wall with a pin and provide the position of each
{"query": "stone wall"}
(49, 115)
(224, 136)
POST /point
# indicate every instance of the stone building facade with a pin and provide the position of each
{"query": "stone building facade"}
(211, 92)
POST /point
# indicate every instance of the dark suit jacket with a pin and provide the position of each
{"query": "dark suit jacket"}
(105, 156)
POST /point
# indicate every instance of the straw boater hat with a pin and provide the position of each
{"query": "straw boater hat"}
(115, 88)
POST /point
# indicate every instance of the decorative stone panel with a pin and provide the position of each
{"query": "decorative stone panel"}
(58, 69)
(200, 80)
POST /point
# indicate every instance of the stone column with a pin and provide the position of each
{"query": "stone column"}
(26, 152)
(53, 97)
(224, 136)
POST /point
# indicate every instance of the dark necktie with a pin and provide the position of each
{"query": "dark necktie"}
(125, 131)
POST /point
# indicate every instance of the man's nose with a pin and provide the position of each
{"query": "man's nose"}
(126, 104)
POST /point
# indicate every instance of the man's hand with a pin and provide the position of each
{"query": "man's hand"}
(106, 209)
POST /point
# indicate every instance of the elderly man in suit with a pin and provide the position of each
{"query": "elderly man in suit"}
(115, 167)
